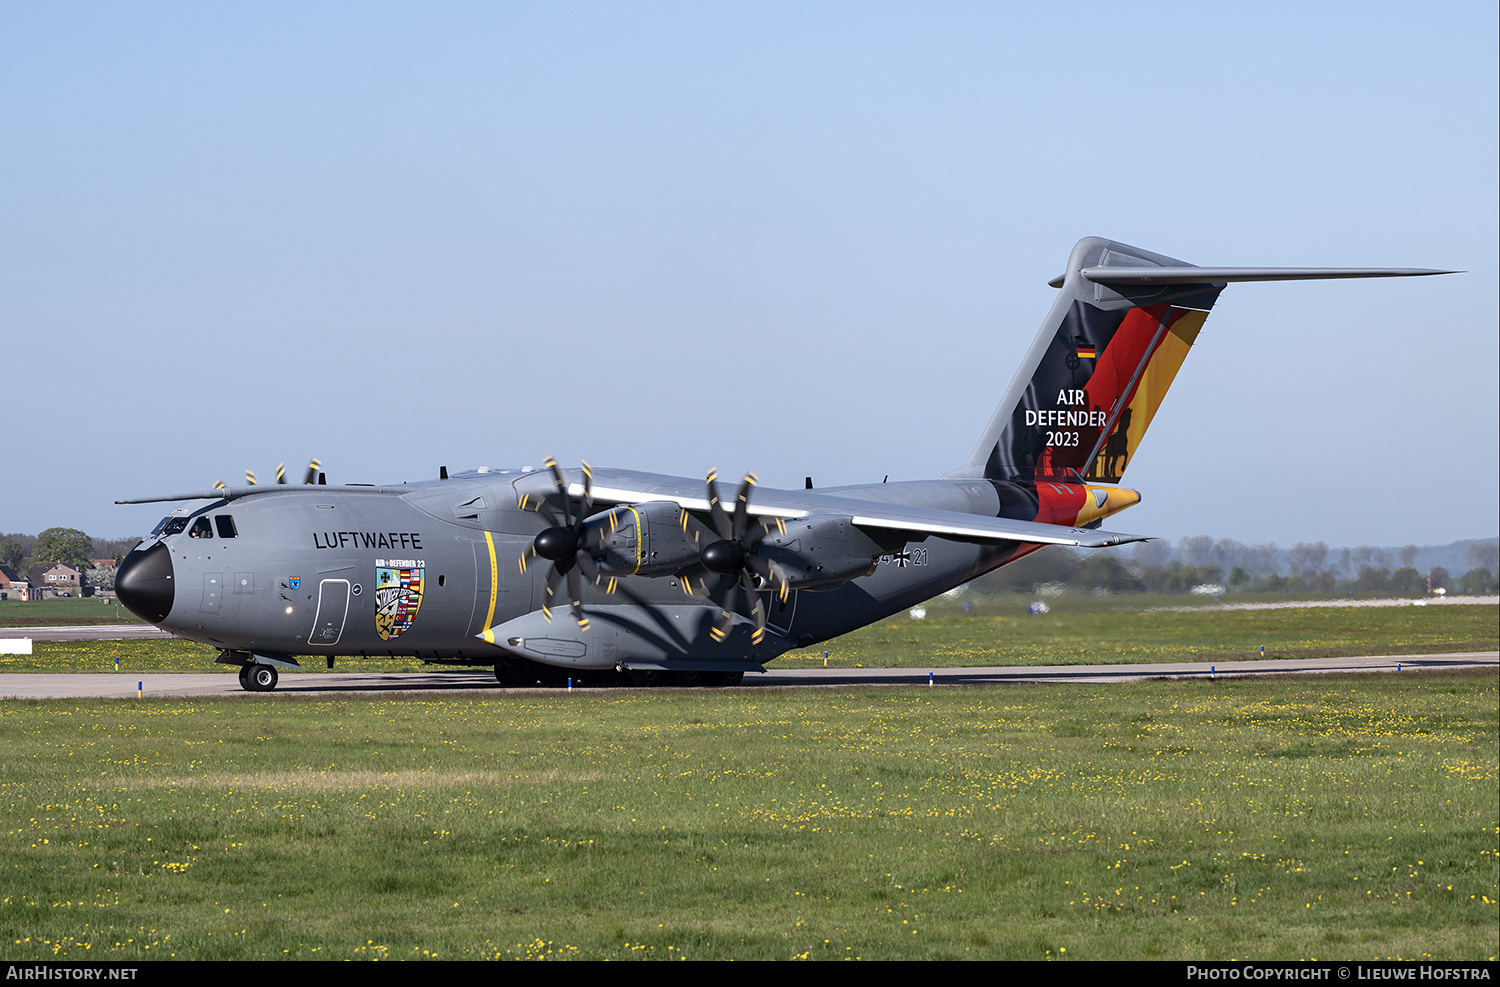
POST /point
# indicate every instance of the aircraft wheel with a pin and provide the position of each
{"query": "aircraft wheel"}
(245, 677)
(260, 678)
(718, 680)
(509, 673)
(690, 680)
(645, 678)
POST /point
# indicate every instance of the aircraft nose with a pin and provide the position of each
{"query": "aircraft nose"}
(144, 583)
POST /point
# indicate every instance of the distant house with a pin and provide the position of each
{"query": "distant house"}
(12, 584)
(57, 579)
(103, 563)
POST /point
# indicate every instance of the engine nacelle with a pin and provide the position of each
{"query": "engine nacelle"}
(820, 550)
(646, 539)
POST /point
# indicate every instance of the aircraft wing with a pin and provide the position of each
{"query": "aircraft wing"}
(627, 487)
(969, 527)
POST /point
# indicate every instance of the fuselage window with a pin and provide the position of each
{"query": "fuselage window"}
(201, 529)
(173, 525)
(225, 524)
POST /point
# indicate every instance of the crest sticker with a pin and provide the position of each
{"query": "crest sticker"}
(398, 597)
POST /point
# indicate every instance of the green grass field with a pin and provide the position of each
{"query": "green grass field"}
(1083, 632)
(1327, 817)
(64, 613)
(948, 638)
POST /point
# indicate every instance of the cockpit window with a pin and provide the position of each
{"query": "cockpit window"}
(225, 524)
(172, 525)
(201, 529)
(160, 525)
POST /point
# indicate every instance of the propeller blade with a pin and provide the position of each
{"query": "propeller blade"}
(724, 622)
(733, 556)
(312, 473)
(553, 578)
(281, 472)
(250, 477)
(567, 542)
(722, 525)
(757, 614)
(562, 488)
(575, 594)
(742, 504)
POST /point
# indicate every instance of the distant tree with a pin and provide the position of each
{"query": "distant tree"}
(1477, 581)
(12, 554)
(66, 545)
(1484, 555)
(1439, 577)
(1409, 556)
(1050, 565)
(1408, 580)
(1307, 559)
(1180, 578)
(114, 548)
(1372, 579)
(1196, 551)
(1104, 571)
(1153, 554)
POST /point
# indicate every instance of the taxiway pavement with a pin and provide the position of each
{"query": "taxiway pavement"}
(28, 685)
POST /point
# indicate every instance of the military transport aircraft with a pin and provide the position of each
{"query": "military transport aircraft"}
(617, 574)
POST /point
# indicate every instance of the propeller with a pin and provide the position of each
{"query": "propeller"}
(567, 543)
(308, 480)
(733, 557)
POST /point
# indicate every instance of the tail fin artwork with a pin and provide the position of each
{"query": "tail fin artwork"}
(1107, 353)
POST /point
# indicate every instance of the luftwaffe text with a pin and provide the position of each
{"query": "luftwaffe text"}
(367, 539)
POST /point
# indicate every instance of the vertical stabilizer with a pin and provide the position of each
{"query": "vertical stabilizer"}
(1093, 379)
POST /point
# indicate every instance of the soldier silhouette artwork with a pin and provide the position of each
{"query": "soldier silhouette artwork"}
(1117, 449)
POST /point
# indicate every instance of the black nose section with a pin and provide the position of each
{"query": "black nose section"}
(144, 583)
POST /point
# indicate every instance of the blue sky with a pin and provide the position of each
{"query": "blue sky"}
(794, 238)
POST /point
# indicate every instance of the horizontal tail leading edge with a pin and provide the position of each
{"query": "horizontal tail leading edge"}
(1107, 353)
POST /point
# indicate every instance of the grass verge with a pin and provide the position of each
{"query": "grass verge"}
(1324, 817)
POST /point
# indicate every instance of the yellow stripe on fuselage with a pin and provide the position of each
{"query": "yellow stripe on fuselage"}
(489, 618)
(639, 537)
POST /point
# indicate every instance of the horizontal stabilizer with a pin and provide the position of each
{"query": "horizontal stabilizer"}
(1124, 276)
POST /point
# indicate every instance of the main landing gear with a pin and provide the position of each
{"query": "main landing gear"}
(258, 678)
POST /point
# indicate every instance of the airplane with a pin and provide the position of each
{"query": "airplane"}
(623, 576)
